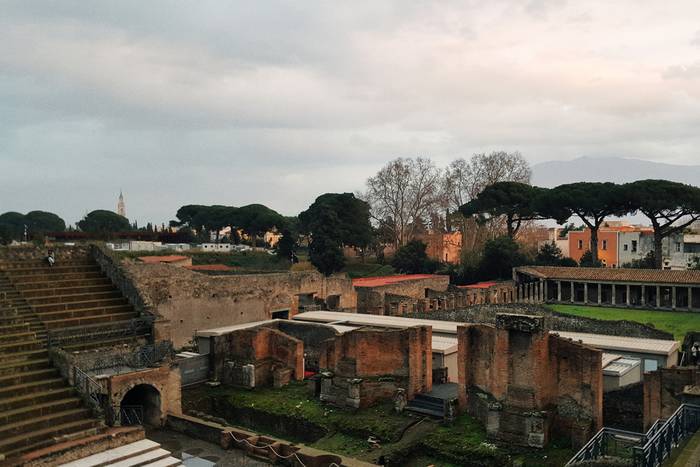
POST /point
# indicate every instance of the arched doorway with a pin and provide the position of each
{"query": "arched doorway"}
(141, 403)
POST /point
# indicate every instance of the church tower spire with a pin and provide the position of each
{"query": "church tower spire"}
(121, 207)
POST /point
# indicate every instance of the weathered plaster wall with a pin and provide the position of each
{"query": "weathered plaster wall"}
(193, 301)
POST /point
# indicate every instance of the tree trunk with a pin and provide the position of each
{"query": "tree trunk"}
(594, 245)
(658, 253)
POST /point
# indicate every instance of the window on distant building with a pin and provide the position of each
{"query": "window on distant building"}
(634, 246)
(580, 244)
(625, 247)
(678, 247)
(605, 244)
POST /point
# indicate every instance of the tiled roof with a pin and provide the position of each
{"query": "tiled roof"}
(386, 280)
(656, 276)
(478, 285)
(162, 259)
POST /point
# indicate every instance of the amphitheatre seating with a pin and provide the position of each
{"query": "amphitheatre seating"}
(37, 406)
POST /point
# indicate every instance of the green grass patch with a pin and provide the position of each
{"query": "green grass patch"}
(677, 323)
(356, 268)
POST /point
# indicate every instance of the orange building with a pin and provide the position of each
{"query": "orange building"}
(608, 242)
(444, 247)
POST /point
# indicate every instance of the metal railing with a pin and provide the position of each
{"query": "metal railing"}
(684, 422)
(124, 415)
(92, 392)
(644, 449)
(141, 326)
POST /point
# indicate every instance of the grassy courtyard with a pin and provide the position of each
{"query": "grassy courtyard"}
(677, 323)
(406, 440)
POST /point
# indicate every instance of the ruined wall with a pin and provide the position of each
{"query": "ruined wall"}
(523, 383)
(624, 408)
(267, 349)
(311, 334)
(401, 356)
(371, 299)
(577, 389)
(664, 391)
(193, 301)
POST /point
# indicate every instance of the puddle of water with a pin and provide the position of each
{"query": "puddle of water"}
(192, 461)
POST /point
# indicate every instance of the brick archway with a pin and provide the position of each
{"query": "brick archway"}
(149, 399)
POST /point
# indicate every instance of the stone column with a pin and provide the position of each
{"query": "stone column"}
(690, 298)
(629, 295)
(559, 291)
(585, 292)
(614, 295)
(600, 293)
(572, 291)
(544, 291)
(673, 297)
(658, 296)
(643, 299)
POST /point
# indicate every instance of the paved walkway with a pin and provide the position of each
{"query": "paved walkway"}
(198, 453)
(689, 456)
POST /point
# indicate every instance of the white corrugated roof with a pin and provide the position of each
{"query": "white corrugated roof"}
(599, 341)
(621, 343)
(226, 329)
(608, 358)
(621, 366)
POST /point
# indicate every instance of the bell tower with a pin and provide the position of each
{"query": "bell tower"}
(121, 207)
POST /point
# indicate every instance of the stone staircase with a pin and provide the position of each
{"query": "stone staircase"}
(145, 453)
(427, 405)
(37, 406)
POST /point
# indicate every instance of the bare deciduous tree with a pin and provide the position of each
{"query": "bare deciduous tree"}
(405, 193)
(465, 179)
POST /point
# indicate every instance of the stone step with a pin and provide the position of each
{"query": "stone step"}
(428, 412)
(36, 263)
(44, 437)
(169, 461)
(32, 287)
(13, 328)
(6, 338)
(47, 270)
(69, 298)
(13, 368)
(33, 387)
(40, 410)
(13, 347)
(39, 397)
(79, 305)
(87, 320)
(40, 353)
(85, 312)
(27, 377)
(42, 422)
(107, 458)
(145, 458)
(35, 281)
(75, 290)
(100, 343)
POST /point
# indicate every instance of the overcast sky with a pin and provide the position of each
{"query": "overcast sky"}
(233, 102)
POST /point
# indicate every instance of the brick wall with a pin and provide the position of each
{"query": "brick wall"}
(371, 299)
(264, 347)
(663, 391)
(192, 301)
(401, 355)
(522, 383)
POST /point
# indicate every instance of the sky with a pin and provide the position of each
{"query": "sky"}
(235, 102)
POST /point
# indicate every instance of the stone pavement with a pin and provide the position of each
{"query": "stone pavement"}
(689, 456)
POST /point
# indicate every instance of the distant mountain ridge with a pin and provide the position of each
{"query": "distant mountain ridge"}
(610, 169)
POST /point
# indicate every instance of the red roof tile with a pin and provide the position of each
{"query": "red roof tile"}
(386, 280)
(162, 259)
(656, 276)
(478, 285)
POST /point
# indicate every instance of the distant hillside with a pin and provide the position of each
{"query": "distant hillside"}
(610, 169)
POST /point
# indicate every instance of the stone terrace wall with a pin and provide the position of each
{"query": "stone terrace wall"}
(486, 314)
(193, 301)
(33, 252)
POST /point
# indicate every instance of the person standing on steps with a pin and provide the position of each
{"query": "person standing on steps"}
(50, 258)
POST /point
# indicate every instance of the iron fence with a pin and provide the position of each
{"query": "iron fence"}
(123, 415)
(648, 449)
(92, 392)
(141, 326)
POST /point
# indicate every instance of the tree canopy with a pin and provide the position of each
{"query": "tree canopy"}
(413, 259)
(670, 207)
(513, 200)
(38, 223)
(103, 222)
